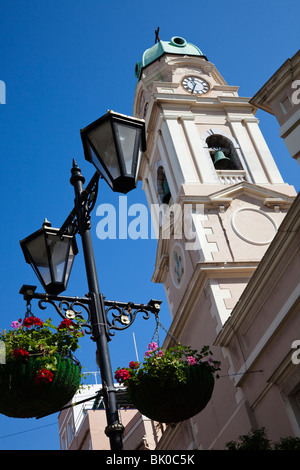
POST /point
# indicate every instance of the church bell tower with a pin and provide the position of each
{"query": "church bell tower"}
(215, 192)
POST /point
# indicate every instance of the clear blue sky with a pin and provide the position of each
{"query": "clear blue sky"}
(64, 64)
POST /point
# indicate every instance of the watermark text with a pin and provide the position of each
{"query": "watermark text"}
(137, 222)
(2, 92)
(296, 354)
(295, 98)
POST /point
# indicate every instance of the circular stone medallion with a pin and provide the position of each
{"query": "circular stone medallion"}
(253, 226)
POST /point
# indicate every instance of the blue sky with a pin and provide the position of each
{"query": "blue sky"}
(65, 63)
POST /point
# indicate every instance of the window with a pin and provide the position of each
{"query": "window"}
(223, 153)
(294, 399)
(163, 189)
(70, 430)
(290, 392)
(63, 441)
(286, 105)
(145, 109)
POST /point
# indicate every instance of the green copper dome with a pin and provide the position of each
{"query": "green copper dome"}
(177, 46)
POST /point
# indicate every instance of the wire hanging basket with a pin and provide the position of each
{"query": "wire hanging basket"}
(172, 402)
(21, 396)
(40, 374)
(173, 384)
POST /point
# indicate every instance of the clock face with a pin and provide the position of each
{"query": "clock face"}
(195, 85)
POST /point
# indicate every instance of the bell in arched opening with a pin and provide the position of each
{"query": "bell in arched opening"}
(221, 162)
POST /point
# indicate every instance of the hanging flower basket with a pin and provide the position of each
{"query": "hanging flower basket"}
(39, 376)
(172, 385)
(27, 391)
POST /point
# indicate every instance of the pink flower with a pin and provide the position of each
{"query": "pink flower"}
(15, 324)
(191, 360)
(153, 349)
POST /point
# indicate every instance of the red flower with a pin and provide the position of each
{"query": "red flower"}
(134, 365)
(121, 375)
(30, 321)
(20, 353)
(44, 376)
(66, 324)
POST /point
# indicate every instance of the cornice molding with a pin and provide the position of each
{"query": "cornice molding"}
(227, 193)
(288, 72)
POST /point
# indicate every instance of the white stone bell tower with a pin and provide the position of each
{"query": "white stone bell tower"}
(210, 174)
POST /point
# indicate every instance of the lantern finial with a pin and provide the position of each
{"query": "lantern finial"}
(46, 223)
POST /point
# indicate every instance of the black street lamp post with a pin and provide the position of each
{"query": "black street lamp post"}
(114, 144)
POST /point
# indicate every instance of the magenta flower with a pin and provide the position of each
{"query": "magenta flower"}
(149, 353)
(15, 324)
(191, 360)
(153, 346)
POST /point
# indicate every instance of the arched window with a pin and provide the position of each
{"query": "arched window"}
(163, 189)
(223, 153)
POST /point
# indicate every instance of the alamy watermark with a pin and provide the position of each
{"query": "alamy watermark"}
(296, 354)
(2, 92)
(295, 98)
(137, 222)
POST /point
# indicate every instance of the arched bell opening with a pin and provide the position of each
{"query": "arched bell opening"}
(223, 153)
(163, 189)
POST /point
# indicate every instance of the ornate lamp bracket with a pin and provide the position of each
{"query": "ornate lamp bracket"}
(119, 315)
(123, 314)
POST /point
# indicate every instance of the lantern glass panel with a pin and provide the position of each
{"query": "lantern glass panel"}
(69, 264)
(127, 136)
(37, 249)
(103, 172)
(59, 249)
(102, 139)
